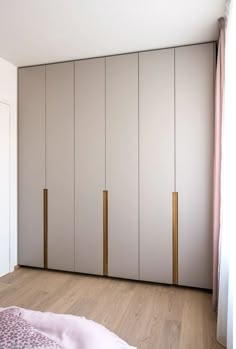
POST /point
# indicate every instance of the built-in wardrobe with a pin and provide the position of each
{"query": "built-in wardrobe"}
(115, 165)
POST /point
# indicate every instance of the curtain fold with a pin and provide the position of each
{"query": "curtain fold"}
(226, 259)
(219, 92)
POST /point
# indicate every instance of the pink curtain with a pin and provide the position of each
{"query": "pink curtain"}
(219, 90)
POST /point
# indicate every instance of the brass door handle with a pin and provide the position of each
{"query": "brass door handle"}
(175, 236)
(105, 232)
(45, 226)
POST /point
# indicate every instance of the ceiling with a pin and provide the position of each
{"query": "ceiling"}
(44, 31)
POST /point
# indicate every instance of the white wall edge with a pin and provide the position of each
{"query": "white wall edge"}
(13, 191)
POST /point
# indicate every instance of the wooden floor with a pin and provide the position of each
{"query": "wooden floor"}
(146, 315)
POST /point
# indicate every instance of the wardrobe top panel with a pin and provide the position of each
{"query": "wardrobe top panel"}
(119, 54)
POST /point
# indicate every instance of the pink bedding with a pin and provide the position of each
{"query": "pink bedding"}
(15, 332)
(72, 332)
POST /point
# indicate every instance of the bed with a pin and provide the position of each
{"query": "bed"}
(28, 329)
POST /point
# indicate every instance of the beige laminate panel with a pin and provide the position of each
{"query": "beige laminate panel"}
(31, 166)
(194, 162)
(89, 164)
(60, 164)
(156, 144)
(122, 164)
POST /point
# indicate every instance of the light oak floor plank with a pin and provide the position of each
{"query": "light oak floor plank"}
(146, 315)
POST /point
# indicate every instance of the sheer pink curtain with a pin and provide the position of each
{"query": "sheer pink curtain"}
(219, 90)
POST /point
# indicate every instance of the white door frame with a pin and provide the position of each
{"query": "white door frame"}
(4, 101)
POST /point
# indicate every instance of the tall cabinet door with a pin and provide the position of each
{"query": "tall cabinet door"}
(31, 165)
(122, 165)
(194, 162)
(60, 164)
(89, 164)
(156, 130)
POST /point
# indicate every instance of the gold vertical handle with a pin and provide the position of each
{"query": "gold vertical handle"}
(45, 226)
(175, 236)
(105, 232)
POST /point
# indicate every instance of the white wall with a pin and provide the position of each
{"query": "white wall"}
(8, 93)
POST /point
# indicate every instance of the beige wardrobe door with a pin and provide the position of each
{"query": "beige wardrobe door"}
(194, 162)
(60, 164)
(31, 134)
(122, 164)
(156, 139)
(89, 164)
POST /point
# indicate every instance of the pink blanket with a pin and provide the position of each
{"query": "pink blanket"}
(73, 332)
